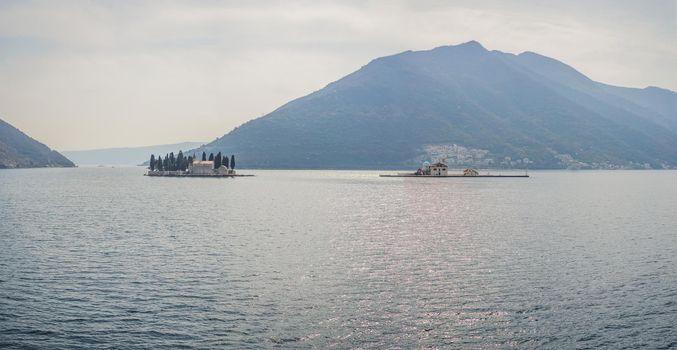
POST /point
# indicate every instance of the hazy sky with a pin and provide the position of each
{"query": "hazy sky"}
(93, 74)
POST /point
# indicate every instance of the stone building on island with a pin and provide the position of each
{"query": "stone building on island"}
(206, 168)
(438, 169)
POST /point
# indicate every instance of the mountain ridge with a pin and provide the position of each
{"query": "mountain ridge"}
(477, 107)
(18, 150)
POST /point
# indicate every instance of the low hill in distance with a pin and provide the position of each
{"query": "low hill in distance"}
(126, 156)
(18, 150)
(475, 107)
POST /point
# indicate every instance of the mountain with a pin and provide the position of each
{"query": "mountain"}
(473, 106)
(18, 150)
(126, 156)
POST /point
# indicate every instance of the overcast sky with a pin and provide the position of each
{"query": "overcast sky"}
(94, 74)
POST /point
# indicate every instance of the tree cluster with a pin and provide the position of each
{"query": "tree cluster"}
(220, 159)
(171, 162)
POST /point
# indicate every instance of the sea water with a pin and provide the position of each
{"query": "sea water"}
(102, 258)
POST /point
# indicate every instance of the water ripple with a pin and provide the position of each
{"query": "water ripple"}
(108, 259)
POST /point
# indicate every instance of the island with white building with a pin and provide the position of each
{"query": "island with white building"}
(441, 169)
(181, 166)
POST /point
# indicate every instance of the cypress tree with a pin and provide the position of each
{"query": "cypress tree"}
(211, 156)
(159, 163)
(179, 161)
(204, 156)
(172, 161)
(232, 161)
(165, 163)
(217, 160)
(152, 162)
(224, 161)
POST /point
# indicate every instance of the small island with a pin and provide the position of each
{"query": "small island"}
(181, 166)
(440, 169)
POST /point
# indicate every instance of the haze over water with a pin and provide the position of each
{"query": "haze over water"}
(106, 258)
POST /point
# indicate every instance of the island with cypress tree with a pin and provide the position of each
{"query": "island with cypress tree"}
(216, 165)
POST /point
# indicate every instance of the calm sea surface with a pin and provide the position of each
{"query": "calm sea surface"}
(95, 258)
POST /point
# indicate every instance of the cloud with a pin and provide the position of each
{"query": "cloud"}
(86, 74)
